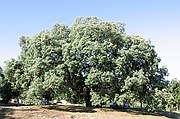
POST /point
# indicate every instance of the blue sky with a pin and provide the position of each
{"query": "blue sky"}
(157, 20)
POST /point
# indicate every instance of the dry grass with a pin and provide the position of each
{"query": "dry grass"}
(74, 112)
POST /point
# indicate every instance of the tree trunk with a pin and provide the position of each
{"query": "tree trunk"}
(141, 104)
(177, 108)
(88, 97)
(170, 108)
(18, 101)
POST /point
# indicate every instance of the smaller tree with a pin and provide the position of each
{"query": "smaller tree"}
(1, 75)
(160, 99)
(174, 89)
(12, 83)
(5, 88)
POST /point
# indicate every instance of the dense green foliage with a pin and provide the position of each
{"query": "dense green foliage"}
(91, 62)
(5, 88)
(174, 90)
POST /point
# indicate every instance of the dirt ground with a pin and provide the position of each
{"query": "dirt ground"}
(72, 112)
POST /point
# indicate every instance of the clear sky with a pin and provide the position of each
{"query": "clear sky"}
(157, 20)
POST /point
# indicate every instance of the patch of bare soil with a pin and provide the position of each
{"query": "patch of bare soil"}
(71, 112)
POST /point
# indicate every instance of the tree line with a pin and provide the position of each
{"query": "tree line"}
(90, 62)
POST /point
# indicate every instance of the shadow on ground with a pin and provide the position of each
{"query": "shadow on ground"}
(137, 111)
(5, 113)
(134, 111)
(71, 108)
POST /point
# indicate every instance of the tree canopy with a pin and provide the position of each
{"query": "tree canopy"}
(92, 62)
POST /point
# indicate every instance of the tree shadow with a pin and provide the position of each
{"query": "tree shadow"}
(172, 115)
(70, 108)
(138, 111)
(144, 111)
(5, 113)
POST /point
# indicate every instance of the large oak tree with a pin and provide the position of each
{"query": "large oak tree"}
(92, 61)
